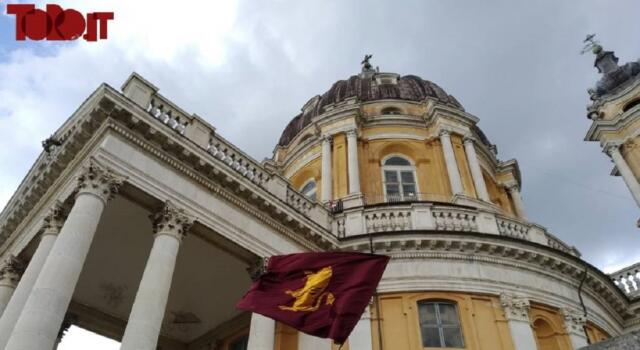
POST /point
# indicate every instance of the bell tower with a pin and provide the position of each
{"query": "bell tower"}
(615, 114)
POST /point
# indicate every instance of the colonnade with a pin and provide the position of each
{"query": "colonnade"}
(455, 180)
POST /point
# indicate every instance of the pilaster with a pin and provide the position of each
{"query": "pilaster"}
(516, 311)
(574, 322)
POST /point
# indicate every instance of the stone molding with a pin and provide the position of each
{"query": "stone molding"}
(12, 270)
(500, 250)
(574, 321)
(515, 308)
(171, 220)
(98, 180)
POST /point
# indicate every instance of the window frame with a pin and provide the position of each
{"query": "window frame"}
(315, 188)
(438, 324)
(398, 169)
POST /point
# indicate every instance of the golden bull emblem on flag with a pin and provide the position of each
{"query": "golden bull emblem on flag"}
(312, 294)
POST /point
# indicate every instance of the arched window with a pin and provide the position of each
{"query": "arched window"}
(399, 179)
(440, 324)
(546, 336)
(309, 189)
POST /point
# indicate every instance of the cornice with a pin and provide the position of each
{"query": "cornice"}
(501, 250)
(617, 123)
(110, 105)
(232, 197)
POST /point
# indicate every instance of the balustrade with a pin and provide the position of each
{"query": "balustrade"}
(513, 228)
(171, 116)
(388, 221)
(453, 219)
(628, 280)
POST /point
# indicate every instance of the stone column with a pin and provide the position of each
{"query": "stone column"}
(327, 182)
(632, 183)
(309, 342)
(574, 322)
(143, 329)
(9, 276)
(516, 311)
(514, 192)
(452, 165)
(261, 333)
(476, 171)
(40, 320)
(354, 171)
(360, 337)
(51, 227)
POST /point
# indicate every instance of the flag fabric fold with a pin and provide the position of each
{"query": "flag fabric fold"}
(321, 294)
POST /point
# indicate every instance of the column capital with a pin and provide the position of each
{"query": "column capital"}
(352, 133)
(257, 268)
(327, 139)
(574, 321)
(171, 220)
(515, 307)
(468, 139)
(444, 132)
(98, 180)
(611, 147)
(54, 219)
(511, 186)
(12, 270)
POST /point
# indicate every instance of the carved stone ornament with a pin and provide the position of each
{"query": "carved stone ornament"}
(171, 220)
(610, 148)
(574, 321)
(54, 220)
(11, 270)
(515, 308)
(99, 180)
(257, 268)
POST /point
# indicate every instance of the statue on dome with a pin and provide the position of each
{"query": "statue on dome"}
(365, 63)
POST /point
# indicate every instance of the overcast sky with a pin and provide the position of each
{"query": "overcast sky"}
(248, 67)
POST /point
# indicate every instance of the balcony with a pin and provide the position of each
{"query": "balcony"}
(628, 280)
(427, 212)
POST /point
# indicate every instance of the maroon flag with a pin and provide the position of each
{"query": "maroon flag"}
(322, 294)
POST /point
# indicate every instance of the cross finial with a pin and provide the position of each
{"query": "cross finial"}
(591, 44)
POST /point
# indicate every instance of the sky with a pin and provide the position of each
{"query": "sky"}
(248, 67)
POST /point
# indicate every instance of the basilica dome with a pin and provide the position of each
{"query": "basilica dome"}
(367, 88)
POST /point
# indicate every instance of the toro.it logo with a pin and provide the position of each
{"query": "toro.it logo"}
(58, 24)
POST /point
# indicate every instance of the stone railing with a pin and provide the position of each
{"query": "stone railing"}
(299, 201)
(454, 219)
(202, 134)
(440, 217)
(237, 160)
(387, 220)
(169, 114)
(555, 243)
(513, 228)
(628, 280)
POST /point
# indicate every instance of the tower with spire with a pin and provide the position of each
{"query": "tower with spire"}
(615, 113)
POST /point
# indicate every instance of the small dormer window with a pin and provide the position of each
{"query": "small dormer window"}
(391, 110)
(631, 104)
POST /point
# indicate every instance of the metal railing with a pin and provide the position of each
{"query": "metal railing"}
(415, 197)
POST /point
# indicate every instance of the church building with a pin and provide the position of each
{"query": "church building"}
(140, 222)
